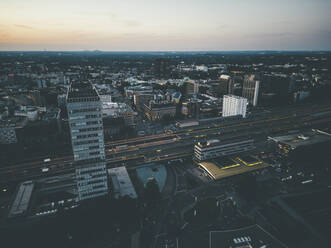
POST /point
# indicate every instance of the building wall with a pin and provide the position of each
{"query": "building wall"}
(85, 121)
(234, 105)
(251, 89)
(224, 85)
(219, 150)
(86, 128)
(157, 113)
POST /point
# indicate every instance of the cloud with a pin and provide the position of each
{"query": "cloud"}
(23, 26)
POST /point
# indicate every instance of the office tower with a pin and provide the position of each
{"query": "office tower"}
(191, 87)
(236, 85)
(86, 128)
(234, 105)
(224, 85)
(191, 108)
(251, 89)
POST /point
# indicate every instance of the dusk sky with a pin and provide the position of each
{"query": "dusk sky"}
(168, 25)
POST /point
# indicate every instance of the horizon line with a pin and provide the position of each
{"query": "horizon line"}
(174, 51)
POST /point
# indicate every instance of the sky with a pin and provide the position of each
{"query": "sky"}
(168, 25)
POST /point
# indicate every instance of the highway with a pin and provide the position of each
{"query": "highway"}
(168, 146)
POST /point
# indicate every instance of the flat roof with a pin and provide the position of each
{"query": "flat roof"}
(234, 96)
(82, 89)
(218, 169)
(217, 142)
(22, 199)
(122, 183)
(13, 121)
(303, 139)
(250, 236)
(249, 160)
(225, 162)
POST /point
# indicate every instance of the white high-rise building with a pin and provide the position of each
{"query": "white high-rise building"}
(234, 105)
(86, 128)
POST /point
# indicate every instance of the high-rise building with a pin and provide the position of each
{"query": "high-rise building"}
(251, 89)
(191, 108)
(191, 87)
(86, 128)
(224, 85)
(236, 85)
(234, 105)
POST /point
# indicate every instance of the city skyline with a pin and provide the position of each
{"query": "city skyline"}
(165, 25)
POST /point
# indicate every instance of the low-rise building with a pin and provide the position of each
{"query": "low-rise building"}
(8, 127)
(142, 98)
(220, 168)
(22, 199)
(117, 109)
(122, 185)
(216, 148)
(156, 110)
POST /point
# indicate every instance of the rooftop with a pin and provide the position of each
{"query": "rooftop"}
(122, 183)
(14, 121)
(303, 139)
(226, 167)
(22, 199)
(233, 96)
(247, 237)
(82, 89)
(217, 142)
(225, 77)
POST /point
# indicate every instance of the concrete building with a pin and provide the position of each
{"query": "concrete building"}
(216, 148)
(191, 87)
(45, 130)
(220, 168)
(8, 127)
(251, 89)
(22, 199)
(191, 108)
(86, 128)
(250, 236)
(234, 105)
(302, 141)
(118, 109)
(142, 98)
(122, 185)
(224, 85)
(30, 112)
(156, 110)
(131, 91)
